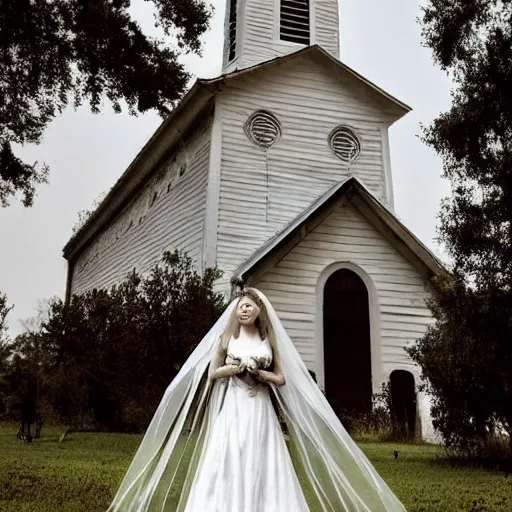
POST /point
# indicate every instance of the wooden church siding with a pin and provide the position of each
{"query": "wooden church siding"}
(258, 37)
(346, 236)
(258, 33)
(326, 26)
(148, 226)
(301, 166)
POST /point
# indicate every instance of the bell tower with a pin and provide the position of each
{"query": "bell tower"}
(260, 30)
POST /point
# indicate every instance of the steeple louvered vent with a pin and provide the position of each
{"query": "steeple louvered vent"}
(232, 29)
(295, 21)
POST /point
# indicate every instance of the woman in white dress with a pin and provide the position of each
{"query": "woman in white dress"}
(246, 448)
(215, 443)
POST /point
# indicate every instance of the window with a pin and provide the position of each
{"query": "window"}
(295, 26)
(263, 128)
(345, 144)
(232, 30)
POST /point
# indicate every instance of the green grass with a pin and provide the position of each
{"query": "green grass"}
(82, 474)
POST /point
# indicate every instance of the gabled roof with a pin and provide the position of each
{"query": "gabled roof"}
(182, 120)
(377, 214)
(319, 55)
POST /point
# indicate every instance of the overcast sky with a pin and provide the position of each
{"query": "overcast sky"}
(87, 153)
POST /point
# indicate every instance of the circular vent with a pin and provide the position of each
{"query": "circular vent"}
(345, 144)
(263, 128)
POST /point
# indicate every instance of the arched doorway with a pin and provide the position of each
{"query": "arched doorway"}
(403, 404)
(347, 347)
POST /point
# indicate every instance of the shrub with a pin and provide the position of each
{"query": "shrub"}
(105, 358)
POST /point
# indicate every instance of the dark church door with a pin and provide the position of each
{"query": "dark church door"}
(347, 351)
(403, 404)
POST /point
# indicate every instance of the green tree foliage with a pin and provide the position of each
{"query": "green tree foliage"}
(467, 355)
(105, 358)
(24, 378)
(57, 52)
(7, 391)
(4, 311)
(5, 351)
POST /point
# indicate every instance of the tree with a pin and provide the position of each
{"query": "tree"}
(4, 344)
(467, 355)
(110, 354)
(5, 351)
(56, 52)
(24, 382)
(4, 311)
(21, 363)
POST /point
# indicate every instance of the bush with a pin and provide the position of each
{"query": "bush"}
(103, 360)
(375, 425)
(490, 452)
(465, 360)
(5, 354)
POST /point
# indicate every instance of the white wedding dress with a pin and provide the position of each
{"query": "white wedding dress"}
(246, 466)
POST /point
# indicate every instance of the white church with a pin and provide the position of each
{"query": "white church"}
(278, 172)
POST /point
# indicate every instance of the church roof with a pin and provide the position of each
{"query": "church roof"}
(378, 214)
(182, 121)
(321, 57)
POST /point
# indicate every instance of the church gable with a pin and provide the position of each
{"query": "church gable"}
(346, 239)
(302, 103)
(329, 249)
(370, 338)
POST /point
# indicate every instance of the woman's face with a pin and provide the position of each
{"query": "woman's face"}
(247, 311)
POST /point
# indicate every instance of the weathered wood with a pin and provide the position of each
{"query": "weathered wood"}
(258, 32)
(168, 213)
(401, 293)
(308, 102)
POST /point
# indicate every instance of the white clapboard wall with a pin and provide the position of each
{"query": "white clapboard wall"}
(397, 294)
(309, 102)
(258, 30)
(167, 213)
(294, 286)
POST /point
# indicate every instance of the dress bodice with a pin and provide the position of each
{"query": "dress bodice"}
(250, 350)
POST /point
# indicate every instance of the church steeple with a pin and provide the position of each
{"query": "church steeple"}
(260, 30)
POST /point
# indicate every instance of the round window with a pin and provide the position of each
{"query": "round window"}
(345, 144)
(263, 128)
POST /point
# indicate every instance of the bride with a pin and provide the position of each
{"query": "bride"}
(215, 443)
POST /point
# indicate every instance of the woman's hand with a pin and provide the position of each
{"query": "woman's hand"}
(237, 363)
(239, 368)
(271, 377)
(231, 367)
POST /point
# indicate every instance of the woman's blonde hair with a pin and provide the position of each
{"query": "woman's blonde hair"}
(262, 322)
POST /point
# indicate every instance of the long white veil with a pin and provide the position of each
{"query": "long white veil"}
(334, 473)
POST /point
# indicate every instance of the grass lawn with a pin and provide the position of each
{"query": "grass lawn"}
(82, 474)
